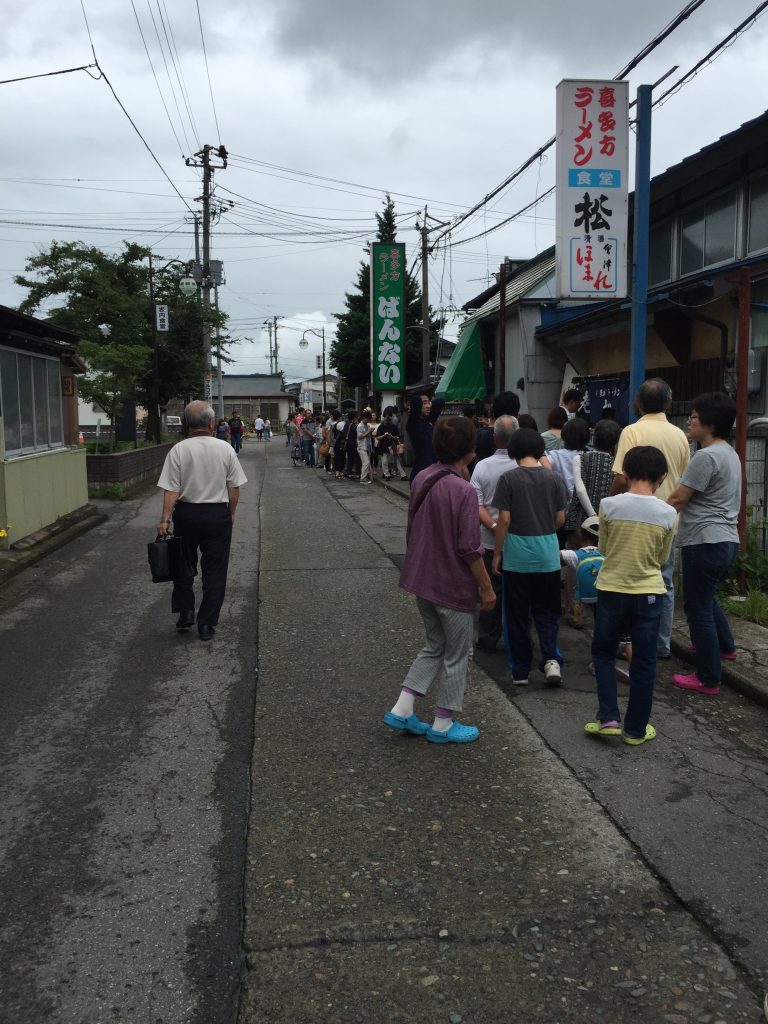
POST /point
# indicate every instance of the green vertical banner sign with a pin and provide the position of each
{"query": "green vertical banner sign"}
(388, 315)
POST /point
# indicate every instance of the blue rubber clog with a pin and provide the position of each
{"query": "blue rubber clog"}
(411, 724)
(457, 733)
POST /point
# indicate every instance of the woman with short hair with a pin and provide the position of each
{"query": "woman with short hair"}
(444, 569)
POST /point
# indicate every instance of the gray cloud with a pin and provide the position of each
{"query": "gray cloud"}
(408, 39)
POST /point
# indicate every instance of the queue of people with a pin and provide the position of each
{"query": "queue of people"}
(486, 546)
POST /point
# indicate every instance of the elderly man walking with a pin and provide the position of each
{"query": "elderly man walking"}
(652, 400)
(201, 482)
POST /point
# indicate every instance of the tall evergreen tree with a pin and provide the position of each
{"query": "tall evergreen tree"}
(351, 348)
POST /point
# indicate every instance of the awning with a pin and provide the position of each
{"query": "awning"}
(464, 377)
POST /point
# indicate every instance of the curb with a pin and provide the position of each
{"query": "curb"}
(732, 678)
(18, 561)
(393, 488)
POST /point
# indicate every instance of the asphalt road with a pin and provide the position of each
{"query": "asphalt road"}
(125, 751)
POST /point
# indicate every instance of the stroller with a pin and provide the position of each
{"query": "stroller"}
(296, 453)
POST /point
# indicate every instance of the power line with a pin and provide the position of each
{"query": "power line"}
(647, 49)
(168, 76)
(168, 33)
(154, 75)
(146, 144)
(208, 73)
(47, 74)
(714, 52)
(132, 122)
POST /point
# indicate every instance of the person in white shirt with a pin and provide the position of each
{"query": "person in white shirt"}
(258, 426)
(485, 479)
(201, 482)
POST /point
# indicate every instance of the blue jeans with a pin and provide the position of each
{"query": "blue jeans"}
(526, 596)
(705, 566)
(638, 615)
(308, 450)
(668, 602)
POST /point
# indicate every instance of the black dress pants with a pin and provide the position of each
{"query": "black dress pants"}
(207, 528)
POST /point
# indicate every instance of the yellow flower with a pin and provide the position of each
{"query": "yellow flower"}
(3, 533)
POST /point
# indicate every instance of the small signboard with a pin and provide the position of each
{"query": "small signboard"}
(388, 315)
(592, 189)
(161, 314)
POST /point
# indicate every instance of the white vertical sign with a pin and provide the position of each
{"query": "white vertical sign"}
(592, 189)
(161, 317)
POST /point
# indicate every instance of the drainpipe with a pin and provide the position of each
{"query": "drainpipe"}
(742, 373)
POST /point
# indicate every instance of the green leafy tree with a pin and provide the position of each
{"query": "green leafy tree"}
(104, 299)
(351, 349)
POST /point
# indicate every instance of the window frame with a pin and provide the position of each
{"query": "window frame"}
(736, 190)
(48, 445)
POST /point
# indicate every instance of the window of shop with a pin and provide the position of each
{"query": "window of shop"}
(30, 389)
(660, 252)
(708, 234)
(758, 215)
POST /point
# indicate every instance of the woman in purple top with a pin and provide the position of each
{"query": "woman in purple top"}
(444, 569)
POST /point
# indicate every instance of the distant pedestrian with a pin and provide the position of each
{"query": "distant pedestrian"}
(307, 435)
(201, 483)
(708, 498)
(636, 534)
(556, 420)
(571, 402)
(485, 479)
(365, 447)
(526, 420)
(222, 430)
(339, 446)
(236, 430)
(267, 429)
(258, 426)
(506, 403)
(531, 503)
(389, 445)
(575, 437)
(653, 398)
(443, 568)
(593, 474)
(424, 412)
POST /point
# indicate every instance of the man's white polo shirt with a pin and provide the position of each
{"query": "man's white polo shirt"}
(485, 477)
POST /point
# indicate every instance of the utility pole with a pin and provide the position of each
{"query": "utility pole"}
(219, 375)
(503, 326)
(203, 159)
(277, 368)
(425, 360)
(153, 414)
(268, 325)
(425, 324)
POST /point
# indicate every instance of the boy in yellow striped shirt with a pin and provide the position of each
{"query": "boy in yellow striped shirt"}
(636, 534)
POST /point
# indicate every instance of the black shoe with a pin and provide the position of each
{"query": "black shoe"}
(185, 620)
(206, 632)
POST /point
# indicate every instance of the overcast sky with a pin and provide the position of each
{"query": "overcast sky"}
(436, 102)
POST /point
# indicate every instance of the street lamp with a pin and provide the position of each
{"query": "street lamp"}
(305, 344)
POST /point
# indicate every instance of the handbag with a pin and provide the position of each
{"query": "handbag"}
(169, 559)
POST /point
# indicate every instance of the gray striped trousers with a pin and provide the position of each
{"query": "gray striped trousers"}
(447, 653)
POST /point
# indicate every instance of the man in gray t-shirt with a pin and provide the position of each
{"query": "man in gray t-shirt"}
(708, 497)
(712, 512)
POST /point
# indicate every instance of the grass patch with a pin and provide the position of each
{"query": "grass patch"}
(754, 607)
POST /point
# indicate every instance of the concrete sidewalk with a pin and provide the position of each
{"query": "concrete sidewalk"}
(391, 880)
